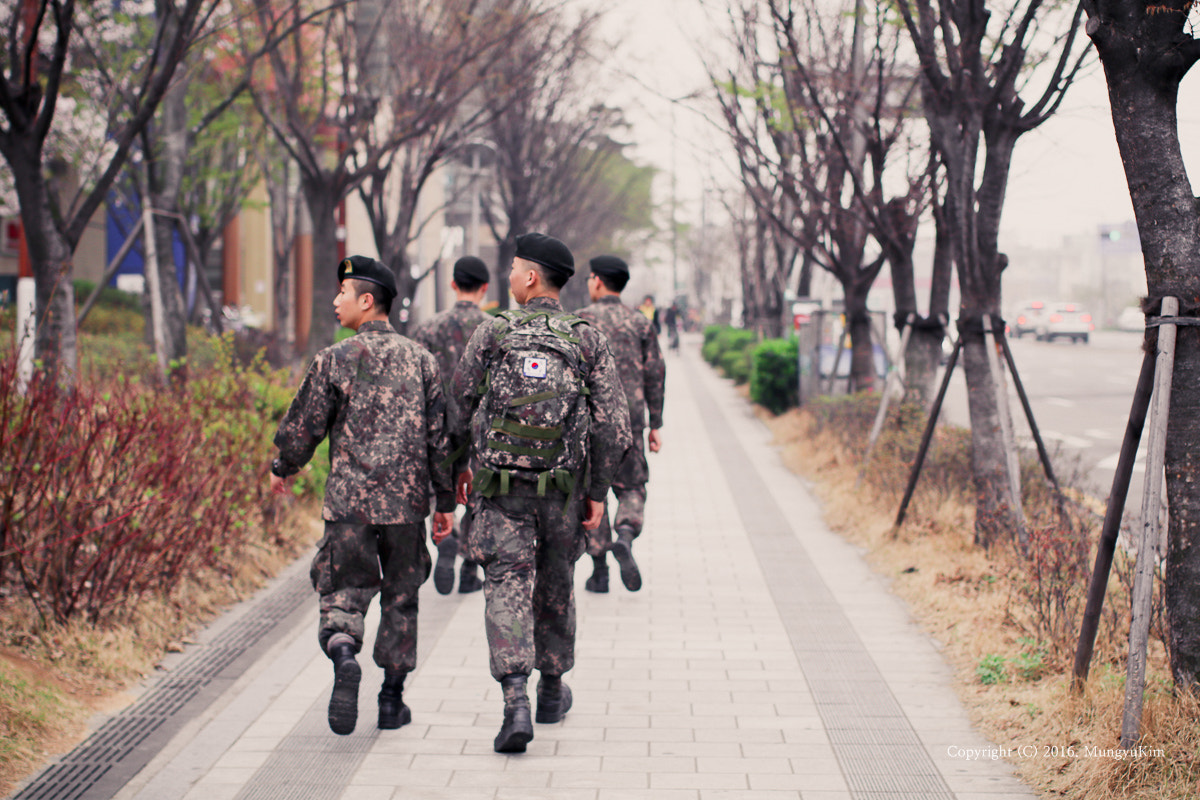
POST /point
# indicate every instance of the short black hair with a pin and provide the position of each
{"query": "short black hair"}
(466, 283)
(614, 282)
(556, 278)
(383, 297)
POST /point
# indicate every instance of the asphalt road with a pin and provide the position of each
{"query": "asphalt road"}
(1080, 395)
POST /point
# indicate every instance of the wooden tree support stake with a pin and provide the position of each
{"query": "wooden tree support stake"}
(927, 437)
(1107, 545)
(1147, 550)
(881, 415)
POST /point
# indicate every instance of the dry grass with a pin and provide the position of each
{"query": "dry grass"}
(54, 679)
(977, 604)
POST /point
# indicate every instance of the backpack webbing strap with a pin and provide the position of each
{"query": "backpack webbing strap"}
(526, 431)
(519, 450)
(530, 399)
(490, 482)
(455, 456)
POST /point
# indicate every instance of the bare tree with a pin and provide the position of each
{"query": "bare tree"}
(1146, 51)
(46, 69)
(974, 65)
(551, 136)
(340, 110)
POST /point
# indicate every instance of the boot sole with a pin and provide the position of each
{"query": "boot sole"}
(630, 575)
(554, 712)
(343, 701)
(443, 572)
(598, 588)
(515, 741)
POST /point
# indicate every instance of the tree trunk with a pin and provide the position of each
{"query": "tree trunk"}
(1143, 77)
(925, 345)
(322, 204)
(506, 251)
(862, 355)
(166, 175)
(50, 256)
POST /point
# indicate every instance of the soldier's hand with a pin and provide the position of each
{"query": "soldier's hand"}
(462, 486)
(443, 525)
(278, 485)
(595, 515)
(655, 440)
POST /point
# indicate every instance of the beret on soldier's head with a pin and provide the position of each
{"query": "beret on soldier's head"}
(547, 251)
(472, 269)
(609, 265)
(365, 268)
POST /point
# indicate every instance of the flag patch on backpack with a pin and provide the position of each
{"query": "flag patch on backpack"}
(534, 368)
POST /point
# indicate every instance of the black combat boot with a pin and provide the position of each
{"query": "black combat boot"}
(443, 572)
(554, 698)
(598, 583)
(343, 702)
(517, 730)
(622, 550)
(392, 711)
(468, 578)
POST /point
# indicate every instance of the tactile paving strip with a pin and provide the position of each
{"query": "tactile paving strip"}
(126, 742)
(879, 752)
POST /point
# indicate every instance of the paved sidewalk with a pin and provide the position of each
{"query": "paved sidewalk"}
(761, 660)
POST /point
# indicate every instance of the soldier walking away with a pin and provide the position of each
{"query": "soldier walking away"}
(634, 345)
(538, 396)
(378, 397)
(446, 336)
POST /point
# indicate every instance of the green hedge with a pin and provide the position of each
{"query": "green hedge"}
(774, 381)
(729, 349)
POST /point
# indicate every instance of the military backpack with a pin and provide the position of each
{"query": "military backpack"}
(532, 420)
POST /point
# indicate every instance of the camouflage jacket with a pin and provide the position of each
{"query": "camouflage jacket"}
(378, 397)
(446, 335)
(608, 432)
(634, 345)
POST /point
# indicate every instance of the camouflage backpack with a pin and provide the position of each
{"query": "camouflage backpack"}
(532, 421)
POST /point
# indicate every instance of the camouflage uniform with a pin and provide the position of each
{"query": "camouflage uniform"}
(528, 544)
(446, 336)
(378, 396)
(634, 345)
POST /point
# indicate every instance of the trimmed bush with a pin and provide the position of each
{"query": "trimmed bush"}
(736, 365)
(117, 490)
(774, 382)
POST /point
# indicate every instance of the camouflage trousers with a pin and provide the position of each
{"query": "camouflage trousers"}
(354, 562)
(629, 487)
(528, 547)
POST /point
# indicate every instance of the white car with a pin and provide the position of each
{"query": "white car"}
(1064, 321)
(1131, 319)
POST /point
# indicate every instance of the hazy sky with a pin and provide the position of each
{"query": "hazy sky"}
(1066, 176)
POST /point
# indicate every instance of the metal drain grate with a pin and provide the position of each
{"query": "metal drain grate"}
(125, 743)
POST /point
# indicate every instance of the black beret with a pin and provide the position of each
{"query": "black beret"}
(609, 265)
(547, 251)
(472, 269)
(365, 268)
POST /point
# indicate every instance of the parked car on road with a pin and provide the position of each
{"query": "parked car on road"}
(1026, 319)
(1065, 321)
(1131, 319)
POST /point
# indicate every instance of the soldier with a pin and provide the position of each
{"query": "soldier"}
(446, 336)
(538, 395)
(634, 345)
(378, 397)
